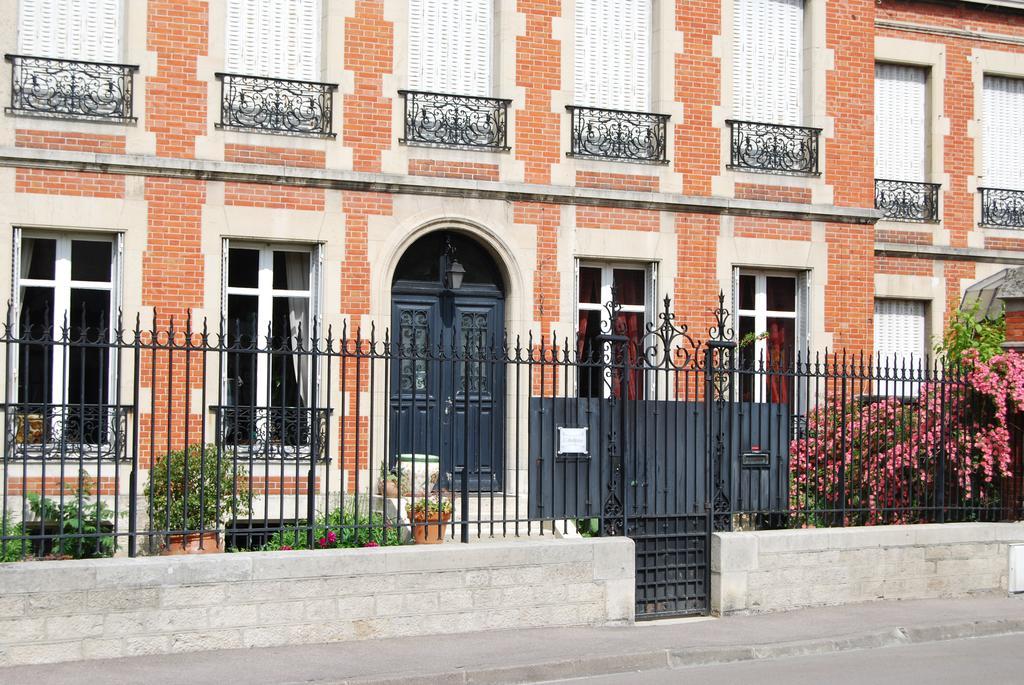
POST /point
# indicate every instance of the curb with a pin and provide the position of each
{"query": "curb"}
(598, 665)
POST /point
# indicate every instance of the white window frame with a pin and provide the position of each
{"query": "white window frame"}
(607, 94)
(98, 47)
(760, 313)
(265, 294)
(62, 285)
(893, 365)
(608, 268)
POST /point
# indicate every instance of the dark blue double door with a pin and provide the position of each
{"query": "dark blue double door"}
(447, 383)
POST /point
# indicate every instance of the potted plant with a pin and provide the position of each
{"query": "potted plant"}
(429, 520)
(191, 493)
(393, 484)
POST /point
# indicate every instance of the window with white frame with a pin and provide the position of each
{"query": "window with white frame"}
(900, 122)
(273, 38)
(900, 338)
(450, 46)
(270, 318)
(66, 285)
(632, 287)
(84, 30)
(772, 329)
(1003, 133)
(767, 55)
(612, 61)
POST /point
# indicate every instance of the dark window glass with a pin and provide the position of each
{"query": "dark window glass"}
(421, 263)
(243, 268)
(781, 293)
(748, 286)
(34, 360)
(88, 366)
(591, 355)
(629, 286)
(291, 270)
(90, 260)
(590, 285)
(37, 257)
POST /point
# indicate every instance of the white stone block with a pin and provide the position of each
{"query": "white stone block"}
(1016, 564)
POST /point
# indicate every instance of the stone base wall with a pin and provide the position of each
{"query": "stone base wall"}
(786, 569)
(65, 610)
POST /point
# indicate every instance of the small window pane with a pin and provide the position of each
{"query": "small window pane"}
(291, 270)
(90, 260)
(781, 292)
(243, 268)
(37, 257)
(748, 286)
(629, 286)
(590, 285)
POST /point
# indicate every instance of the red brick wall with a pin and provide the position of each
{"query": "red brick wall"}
(771, 229)
(176, 30)
(696, 286)
(849, 291)
(613, 181)
(73, 183)
(538, 71)
(547, 283)
(471, 170)
(618, 218)
(772, 193)
(368, 54)
(273, 197)
(281, 156)
(903, 266)
(696, 152)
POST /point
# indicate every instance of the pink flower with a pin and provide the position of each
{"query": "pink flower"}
(331, 537)
(286, 548)
(323, 542)
(371, 543)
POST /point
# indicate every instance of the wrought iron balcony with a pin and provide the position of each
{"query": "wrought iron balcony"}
(274, 105)
(1002, 208)
(773, 148)
(457, 121)
(273, 432)
(48, 431)
(70, 89)
(907, 200)
(618, 135)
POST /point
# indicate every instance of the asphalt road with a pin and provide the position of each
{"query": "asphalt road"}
(976, 661)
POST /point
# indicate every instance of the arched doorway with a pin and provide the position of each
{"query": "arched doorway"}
(447, 373)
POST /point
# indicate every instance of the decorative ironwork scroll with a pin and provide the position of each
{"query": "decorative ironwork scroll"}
(618, 135)
(49, 431)
(459, 121)
(773, 148)
(907, 200)
(1002, 208)
(62, 88)
(276, 105)
(274, 432)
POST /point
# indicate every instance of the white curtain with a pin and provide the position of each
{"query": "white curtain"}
(297, 273)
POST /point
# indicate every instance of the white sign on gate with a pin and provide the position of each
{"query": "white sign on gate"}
(572, 440)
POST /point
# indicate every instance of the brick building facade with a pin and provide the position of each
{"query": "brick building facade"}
(200, 158)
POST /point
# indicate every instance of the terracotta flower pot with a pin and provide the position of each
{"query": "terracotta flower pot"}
(388, 488)
(190, 544)
(430, 528)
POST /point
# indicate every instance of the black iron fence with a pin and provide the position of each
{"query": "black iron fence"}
(140, 439)
(1001, 208)
(62, 88)
(907, 200)
(275, 105)
(773, 148)
(618, 135)
(455, 121)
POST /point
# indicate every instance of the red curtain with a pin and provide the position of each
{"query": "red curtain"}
(778, 386)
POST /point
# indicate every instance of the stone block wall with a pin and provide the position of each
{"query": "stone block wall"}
(66, 610)
(787, 569)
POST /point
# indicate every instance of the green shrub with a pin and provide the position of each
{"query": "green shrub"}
(340, 528)
(191, 490)
(969, 330)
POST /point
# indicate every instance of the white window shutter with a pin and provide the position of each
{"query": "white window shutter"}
(612, 61)
(276, 38)
(768, 61)
(900, 122)
(88, 30)
(899, 333)
(450, 46)
(1003, 133)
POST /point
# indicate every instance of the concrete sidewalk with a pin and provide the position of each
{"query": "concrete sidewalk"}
(549, 654)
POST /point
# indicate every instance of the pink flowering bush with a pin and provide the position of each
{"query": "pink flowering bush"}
(880, 462)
